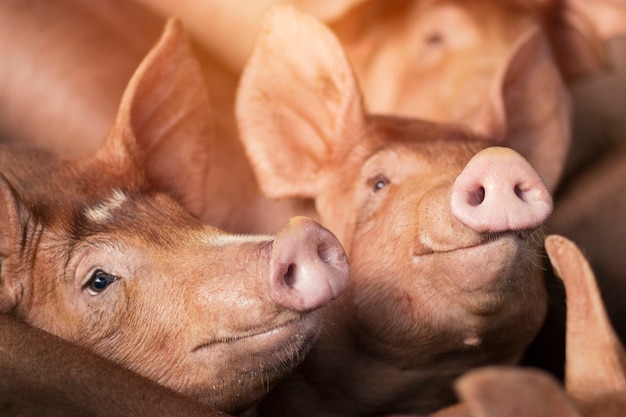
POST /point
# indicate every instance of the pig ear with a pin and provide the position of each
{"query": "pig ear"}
(529, 109)
(163, 123)
(10, 236)
(297, 100)
(581, 32)
(595, 365)
(509, 392)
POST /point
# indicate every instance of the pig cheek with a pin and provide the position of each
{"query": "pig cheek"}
(145, 331)
(391, 319)
(385, 289)
(52, 305)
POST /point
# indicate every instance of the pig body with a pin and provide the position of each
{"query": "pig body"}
(45, 375)
(98, 252)
(440, 225)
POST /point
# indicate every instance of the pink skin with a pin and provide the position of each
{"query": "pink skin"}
(499, 191)
(307, 266)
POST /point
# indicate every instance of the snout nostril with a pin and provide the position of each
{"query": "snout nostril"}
(519, 192)
(476, 197)
(324, 252)
(290, 277)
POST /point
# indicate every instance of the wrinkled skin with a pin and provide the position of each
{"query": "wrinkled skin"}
(430, 296)
(98, 252)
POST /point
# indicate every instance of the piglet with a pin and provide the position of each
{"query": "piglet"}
(397, 35)
(441, 223)
(100, 252)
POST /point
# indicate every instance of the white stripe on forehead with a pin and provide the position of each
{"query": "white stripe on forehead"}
(229, 239)
(102, 211)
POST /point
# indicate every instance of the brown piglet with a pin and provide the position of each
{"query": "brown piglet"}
(100, 252)
(441, 223)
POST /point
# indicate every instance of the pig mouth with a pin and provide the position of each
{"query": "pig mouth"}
(519, 237)
(483, 265)
(297, 333)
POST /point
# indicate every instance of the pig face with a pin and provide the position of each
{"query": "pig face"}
(142, 283)
(420, 272)
(430, 59)
(96, 251)
(440, 222)
(436, 59)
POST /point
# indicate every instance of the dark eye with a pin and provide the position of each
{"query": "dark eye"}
(434, 39)
(378, 182)
(99, 281)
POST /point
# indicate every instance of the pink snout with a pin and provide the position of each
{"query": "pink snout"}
(309, 267)
(499, 191)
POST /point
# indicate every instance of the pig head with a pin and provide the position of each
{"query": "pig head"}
(440, 222)
(405, 51)
(371, 29)
(99, 251)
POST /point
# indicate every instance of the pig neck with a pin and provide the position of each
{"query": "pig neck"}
(360, 377)
(339, 377)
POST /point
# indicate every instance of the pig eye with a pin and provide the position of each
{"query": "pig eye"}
(98, 282)
(434, 39)
(378, 182)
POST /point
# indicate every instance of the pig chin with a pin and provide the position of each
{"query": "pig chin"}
(246, 365)
(483, 278)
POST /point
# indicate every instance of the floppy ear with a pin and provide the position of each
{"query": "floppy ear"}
(528, 107)
(499, 391)
(163, 125)
(10, 237)
(297, 101)
(595, 365)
